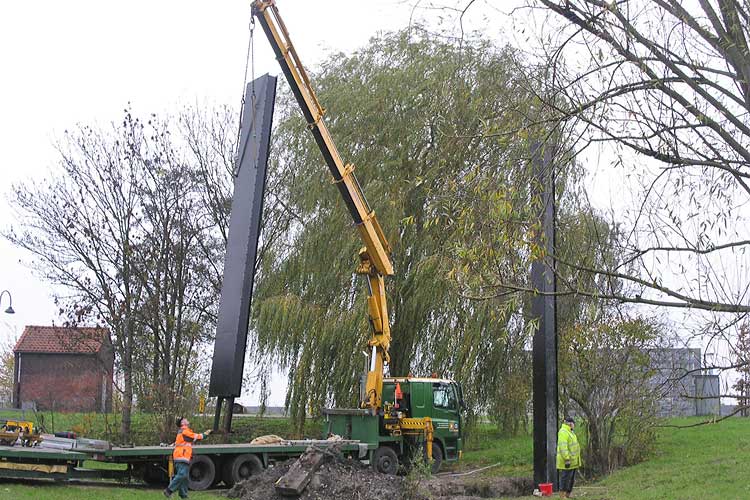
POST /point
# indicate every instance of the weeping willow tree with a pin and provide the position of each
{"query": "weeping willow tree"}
(431, 125)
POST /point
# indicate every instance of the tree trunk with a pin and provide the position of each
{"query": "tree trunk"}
(127, 397)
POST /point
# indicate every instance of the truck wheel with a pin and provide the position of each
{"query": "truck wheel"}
(437, 457)
(202, 473)
(385, 460)
(240, 468)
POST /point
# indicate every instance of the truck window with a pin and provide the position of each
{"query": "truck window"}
(443, 396)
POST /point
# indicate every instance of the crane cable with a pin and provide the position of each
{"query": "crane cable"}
(249, 63)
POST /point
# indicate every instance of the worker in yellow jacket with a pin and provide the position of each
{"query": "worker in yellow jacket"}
(181, 456)
(568, 456)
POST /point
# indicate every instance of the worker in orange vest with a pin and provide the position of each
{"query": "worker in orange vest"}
(183, 452)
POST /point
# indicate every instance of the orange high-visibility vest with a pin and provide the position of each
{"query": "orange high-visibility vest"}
(183, 444)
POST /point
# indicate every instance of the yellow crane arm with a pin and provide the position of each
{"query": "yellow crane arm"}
(375, 262)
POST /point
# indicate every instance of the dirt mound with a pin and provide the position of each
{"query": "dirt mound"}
(339, 479)
(345, 478)
(477, 487)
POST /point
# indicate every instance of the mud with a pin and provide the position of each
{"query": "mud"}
(349, 479)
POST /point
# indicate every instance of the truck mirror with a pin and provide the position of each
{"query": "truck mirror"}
(460, 391)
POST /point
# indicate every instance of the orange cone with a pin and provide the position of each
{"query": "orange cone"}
(399, 394)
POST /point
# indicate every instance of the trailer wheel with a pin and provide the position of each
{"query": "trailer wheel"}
(240, 468)
(385, 460)
(202, 473)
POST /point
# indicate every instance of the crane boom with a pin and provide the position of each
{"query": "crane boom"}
(375, 262)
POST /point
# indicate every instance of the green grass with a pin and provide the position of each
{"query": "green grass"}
(489, 447)
(707, 462)
(50, 491)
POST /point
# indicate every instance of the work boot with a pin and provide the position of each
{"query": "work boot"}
(563, 494)
(167, 493)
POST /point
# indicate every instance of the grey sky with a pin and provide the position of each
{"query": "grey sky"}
(82, 61)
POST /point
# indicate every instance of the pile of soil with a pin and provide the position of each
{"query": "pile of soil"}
(350, 479)
(343, 478)
(472, 487)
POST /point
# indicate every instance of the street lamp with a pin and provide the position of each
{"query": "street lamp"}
(9, 310)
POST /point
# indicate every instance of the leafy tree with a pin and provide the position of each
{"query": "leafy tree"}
(412, 112)
(656, 93)
(742, 384)
(663, 92)
(665, 87)
(118, 226)
(7, 373)
(618, 405)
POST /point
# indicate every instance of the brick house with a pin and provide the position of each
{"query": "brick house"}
(64, 369)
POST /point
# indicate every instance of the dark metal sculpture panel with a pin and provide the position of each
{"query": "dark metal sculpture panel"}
(242, 247)
(544, 307)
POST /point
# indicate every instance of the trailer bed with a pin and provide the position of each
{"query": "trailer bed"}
(151, 463)
(284, 447)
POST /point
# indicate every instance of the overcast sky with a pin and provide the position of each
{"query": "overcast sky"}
(83, 61)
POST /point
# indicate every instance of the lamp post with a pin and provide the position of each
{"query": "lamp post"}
(9, 310)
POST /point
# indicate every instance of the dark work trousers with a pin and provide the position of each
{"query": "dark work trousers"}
(180, 479)
(567, 478)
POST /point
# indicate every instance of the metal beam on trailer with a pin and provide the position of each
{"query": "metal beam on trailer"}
(242, 245)
(544, 307)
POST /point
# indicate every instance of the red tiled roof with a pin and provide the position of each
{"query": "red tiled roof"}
(65, 340)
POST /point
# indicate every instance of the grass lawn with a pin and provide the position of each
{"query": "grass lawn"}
(707, 462)
(489, 447)
(50, 491)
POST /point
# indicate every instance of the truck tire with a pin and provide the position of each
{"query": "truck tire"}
(437, 457)
(240, 468)
(385, 460)
(202, 473)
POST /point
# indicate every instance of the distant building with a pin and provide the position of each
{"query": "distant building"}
(64, 369)
(270, 411)
(686, 387)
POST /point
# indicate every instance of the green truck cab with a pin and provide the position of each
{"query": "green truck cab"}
(439, 399)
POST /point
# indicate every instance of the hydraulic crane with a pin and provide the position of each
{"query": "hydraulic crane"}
(387, 414)
(375, 262)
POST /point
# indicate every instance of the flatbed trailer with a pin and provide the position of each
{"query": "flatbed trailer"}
(212, 464)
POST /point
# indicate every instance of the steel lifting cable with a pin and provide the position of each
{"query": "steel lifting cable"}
(249, 63)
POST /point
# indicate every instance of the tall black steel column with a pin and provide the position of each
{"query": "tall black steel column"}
(242, 245)
(544, 307)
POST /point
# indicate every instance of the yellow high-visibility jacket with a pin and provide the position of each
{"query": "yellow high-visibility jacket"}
(568, 449)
